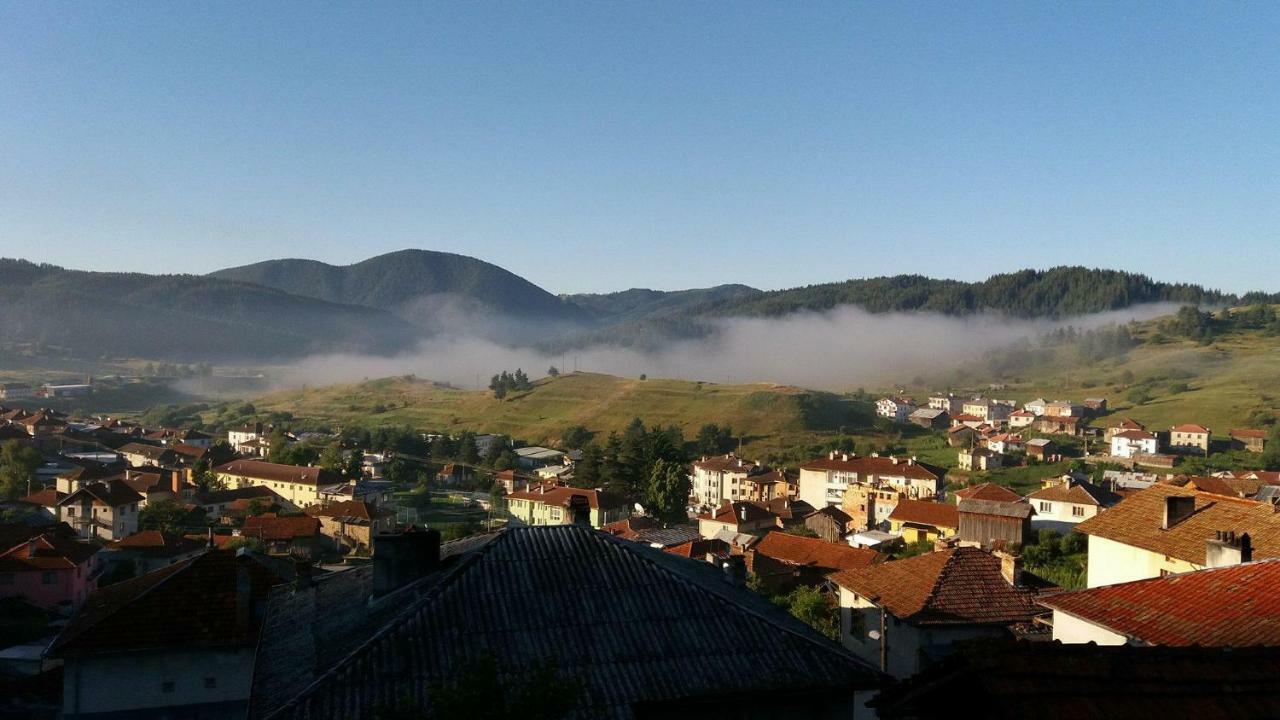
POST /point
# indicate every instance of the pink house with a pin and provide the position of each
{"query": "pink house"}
(48, 568)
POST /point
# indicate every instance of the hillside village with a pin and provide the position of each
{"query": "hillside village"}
(879, 567)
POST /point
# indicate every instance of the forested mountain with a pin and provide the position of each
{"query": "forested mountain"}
(640, 304)
(418, 285)
(1055, 293)
(180, 317)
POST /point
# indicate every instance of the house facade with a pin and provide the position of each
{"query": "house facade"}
(1064, 502)
(722, 479)
(824, 481)
(102, 510)
(560, 505)
(1190, 438)
(1131, 443)
(298, 484)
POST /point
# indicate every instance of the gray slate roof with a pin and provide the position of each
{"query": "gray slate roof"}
(634, 625)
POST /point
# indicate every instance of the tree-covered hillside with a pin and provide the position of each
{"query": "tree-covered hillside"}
(180, 317)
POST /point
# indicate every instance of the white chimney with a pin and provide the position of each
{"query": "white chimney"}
(845, 457)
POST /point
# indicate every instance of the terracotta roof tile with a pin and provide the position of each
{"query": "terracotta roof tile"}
(271, 527)
(926, 512)
(987, 491)
(816, 553)
(1235, 606)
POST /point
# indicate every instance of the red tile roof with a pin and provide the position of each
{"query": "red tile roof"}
(886, 466)
(1134, 435)
(1191, 428)
(46, 551)
(738, 512)
(949, 587)
(926, 512)
(987, 491)
(1249, 433)
(113, 493)
(350, 508)
(154, 542)
(271, 527)
(1235, 606)
(1077, 492)
(629, 528)
(189, 604)
(276, 472)
(815, 553)
(47, 497)
(1136, 521)
(698, 549)
(727, 463)
(563, 495)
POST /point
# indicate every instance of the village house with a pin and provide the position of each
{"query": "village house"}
(897, 409)
(133, 651)
(979, 459)
(1021, 418)
(332, 645)
(1059, 424)
(181, 436)
(282, 534)
(1233, 604)
(961, 436)
(47, 566)
(869, 506)
(536, 456)
(103, 510)
(905, 614)
(232, 504)
(952, 404)
(722, 479)
(970, 421)
(1166, 529)
(830, 523)
(923, 520)
(768, 487)
(781, 561)
(353, 524)
(739, 518)
(1005, 443)
(16, 391)
(510, 481)
(1063, 408)
(824, 481)
(297, 484)
(1063, 502)
(240, 439)
(559, 505)
(1132, 443)
(1123, 425)
(994, 523)
(1190, 438)
(1095, 405)
(930, 418)
(1249, 439)
(151, 550)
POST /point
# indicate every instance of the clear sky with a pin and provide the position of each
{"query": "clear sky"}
(598, 146)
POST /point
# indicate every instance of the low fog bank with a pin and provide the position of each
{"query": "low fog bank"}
(836, 350)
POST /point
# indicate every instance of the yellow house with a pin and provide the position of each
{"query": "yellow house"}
(297, 484)
(918, 520)
(560, 505)
(1166, 530)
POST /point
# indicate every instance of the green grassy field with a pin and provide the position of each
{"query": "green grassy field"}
(766, 416)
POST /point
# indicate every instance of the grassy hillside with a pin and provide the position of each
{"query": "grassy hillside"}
(1231, 382)
(769, 416)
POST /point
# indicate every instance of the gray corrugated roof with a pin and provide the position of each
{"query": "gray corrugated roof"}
(632, 624)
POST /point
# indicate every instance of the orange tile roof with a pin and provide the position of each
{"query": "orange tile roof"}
(887, 466)
(1249, 433)
(46, 551)
(1235, 606)
(350, 508)
(958, 586)
(562, 495)
(987, 491)
(727, 463)
(276, 472)
(1136, 521)
(738, 512)
(272, 527)
(1080, 493)
(1191, 428)
(814, 552)
(926, 512)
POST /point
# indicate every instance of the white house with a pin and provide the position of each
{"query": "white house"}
(1021, 418)
(1166, 529)
(1129, 443)
(951, 403)
(895, 408)
(1065, 501)
(824, 481)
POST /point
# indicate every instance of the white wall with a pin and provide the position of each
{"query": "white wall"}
(1072, 630)
(1111, 562)
(119, 683)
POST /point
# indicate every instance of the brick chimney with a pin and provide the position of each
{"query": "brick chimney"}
(1010, 567)
(1176, 509)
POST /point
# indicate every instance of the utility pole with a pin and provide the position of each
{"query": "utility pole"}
(884, 640)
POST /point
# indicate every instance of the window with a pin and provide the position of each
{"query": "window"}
(1046, 507)
(166, 686)
(210, 683)
(71, 512)
(49, 577)
(1077, 511)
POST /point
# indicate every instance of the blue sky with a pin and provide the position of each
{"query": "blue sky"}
(599, 146)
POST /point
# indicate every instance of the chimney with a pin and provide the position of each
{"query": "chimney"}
(1225, 549)
(404, 558)
(175, 483)
(209, 543)
(32, 545)
(244, 590)
(831, 455)
(742, 512)
(1176, 509)
(1010, 567)
(301, 573)
(735, 570)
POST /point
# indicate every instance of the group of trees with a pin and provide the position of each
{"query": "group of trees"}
(644, 465)
(18, 464)
(507, 382)
(1194, 324)
(714, 440)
